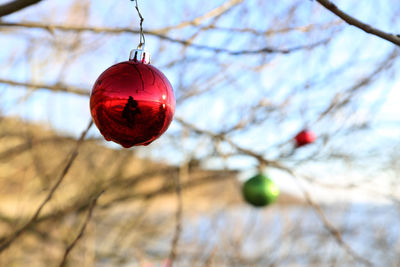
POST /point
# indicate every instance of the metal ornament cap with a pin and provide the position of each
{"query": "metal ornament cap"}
(140, 55)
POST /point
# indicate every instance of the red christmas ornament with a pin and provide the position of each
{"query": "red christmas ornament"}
(132, 103)
(305, 137)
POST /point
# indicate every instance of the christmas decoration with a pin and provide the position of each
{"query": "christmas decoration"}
(132, 103)
(260, 191)
(304, 137)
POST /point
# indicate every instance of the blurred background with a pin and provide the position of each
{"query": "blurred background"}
(247, 76)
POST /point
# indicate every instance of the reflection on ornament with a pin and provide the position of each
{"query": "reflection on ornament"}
(305, 137)
(260, 191)
(132, 103)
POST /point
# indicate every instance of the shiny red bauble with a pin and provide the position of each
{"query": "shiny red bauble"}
(132, 103)
(305, 137)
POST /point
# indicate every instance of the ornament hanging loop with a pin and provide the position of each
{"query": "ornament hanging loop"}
(142, 40)
(261, 167)
(139, 54)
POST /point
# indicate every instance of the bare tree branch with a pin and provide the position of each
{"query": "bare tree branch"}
(269, 32)
(72, 158)
(156, 33)
(55, 88)
(15, 6)
(223, 136)
(82, 230)
(335, 233)
(163, 190)
(359, 24)
(344, 98)
(178, 215)
(211, 14)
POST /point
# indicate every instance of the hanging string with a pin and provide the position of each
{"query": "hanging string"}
(142, 39)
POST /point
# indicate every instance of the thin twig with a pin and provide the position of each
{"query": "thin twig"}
(263, 50)
(178, 215)
(163, 190)
(55, 88)
(68, 165)
(269, 32)
(335, 233)
(216, 12)
(395, 39)
(82, 230)
(223, 136)
(342, 99)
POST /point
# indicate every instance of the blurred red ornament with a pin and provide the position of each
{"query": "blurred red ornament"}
(132, 103)
(305, 137)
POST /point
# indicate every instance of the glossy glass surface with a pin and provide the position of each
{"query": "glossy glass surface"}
(305, 137)
(132, 103)
(260, 191)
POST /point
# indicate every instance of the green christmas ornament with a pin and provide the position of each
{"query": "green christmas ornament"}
(260, 191)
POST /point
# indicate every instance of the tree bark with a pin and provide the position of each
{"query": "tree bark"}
(15, 6)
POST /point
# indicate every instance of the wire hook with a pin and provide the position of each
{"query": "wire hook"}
(142, 40)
